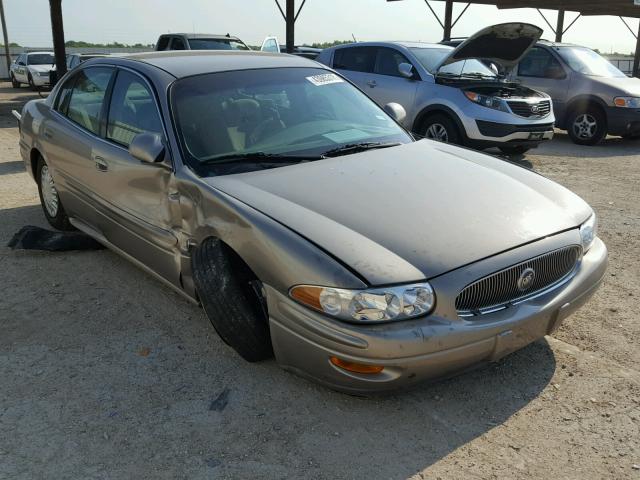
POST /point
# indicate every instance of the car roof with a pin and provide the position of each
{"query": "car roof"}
(202, 35)
(39, 52)
(184, 63)
(406, 44)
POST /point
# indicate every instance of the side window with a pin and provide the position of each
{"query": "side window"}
(163, 43)
(177, 43)
(356, 59)
(132, 111)
(64, 95)
(87, 97)
(388, 60)
(271, 45)
(539, 63)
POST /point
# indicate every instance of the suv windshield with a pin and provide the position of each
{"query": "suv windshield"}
(297, 113)
(41, 59)
(216, 44)
(430, 58)
(586, 61)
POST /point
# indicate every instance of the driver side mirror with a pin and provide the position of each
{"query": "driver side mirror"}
(395, 111)
(406, 70)
(147, 147)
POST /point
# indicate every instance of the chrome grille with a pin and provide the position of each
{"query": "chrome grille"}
(498, 290)
(530, 109)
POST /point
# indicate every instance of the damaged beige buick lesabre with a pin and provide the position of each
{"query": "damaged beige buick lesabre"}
(305, 220)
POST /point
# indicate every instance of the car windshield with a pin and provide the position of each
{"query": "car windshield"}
(588, 62)
(216, 44)
(41, 59)
(300, 113)
(430, 58)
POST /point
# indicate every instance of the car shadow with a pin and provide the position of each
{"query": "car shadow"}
(561, 145)
(120, 353)
(9, 168)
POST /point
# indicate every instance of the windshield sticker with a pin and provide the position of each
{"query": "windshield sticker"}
(346, 135)
(325, 79)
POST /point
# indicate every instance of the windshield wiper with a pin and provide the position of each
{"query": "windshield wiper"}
(357, 147)
(257, 157)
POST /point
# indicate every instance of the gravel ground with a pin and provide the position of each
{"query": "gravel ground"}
(106, 374)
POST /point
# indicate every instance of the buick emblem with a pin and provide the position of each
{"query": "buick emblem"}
(535, 108)
(525, 281)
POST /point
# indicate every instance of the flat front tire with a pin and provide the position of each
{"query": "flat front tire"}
(441, 128)
(232, 298)
(49, 198)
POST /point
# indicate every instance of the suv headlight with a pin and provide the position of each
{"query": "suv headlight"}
(368, 306)
(589, 232)
(486, 101)
(627, 102)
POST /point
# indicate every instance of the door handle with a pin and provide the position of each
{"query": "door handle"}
(372, 83)
(101, 163)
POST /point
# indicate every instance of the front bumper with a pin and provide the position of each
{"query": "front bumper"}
(623, 121)
(435, 346)
(40, 81)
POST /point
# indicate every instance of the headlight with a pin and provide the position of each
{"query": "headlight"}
(368, 306)
(627, 102)
(589, 232)
(486, 101)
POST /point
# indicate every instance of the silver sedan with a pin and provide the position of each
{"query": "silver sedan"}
(305, 220)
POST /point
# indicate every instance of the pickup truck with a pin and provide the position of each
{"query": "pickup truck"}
(199, 41)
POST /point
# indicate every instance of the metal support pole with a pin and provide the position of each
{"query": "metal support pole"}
(291, 22)
(6, 38)
(57, 30)
(448, 18)
(560, 26)
(636, 58)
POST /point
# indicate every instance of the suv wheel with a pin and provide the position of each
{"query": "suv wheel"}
(587, 125)
(441, 128)
(14, 82)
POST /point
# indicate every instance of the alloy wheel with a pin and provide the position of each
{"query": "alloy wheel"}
(585, 126)
(49, 192)
(437, 131)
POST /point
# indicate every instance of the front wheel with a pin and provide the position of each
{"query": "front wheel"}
(31, 84)
(587, 125)
(49, 198)
(14, 82)
(233, 299)
(441, 128)
(514, 149)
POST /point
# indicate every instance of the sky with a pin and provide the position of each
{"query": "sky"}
(141, 21)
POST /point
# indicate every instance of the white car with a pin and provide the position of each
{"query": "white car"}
(32, 68)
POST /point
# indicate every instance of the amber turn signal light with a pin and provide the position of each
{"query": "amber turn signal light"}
(356, 367)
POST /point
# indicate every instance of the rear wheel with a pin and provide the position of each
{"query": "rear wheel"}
(441, 128)
(233, 300)
(49, 198)
(14, 82)
(514, 149)
(587, 125)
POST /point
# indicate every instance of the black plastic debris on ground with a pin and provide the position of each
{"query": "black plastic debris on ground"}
(36, 238)
(220, 402)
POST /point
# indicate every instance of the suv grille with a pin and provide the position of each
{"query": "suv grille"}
(530, 109)
(508, 286)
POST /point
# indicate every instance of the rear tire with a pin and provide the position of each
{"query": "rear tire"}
(587, 125)
(514, 150)
(441, 128)
(14, 82)
(227, 289)
(49, 199)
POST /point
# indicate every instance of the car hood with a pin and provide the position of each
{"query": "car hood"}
(621, 85)
(504, 44)
(410, 212)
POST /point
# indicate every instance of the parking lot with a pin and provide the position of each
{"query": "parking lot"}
(105, 373)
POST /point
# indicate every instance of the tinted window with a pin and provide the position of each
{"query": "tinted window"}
(216, 44)
(388, 60)
(356, 59)
(64, 95)
(41, 59)
(87, 97)
(133, 109)
(539, 63)
(163, 43)
(178, 44)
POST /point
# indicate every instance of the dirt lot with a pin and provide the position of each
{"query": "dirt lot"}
(105, 373)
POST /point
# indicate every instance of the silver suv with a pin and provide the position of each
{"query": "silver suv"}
(456, 95)
(591, 97)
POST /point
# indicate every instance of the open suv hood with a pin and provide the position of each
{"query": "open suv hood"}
(504, 44)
